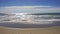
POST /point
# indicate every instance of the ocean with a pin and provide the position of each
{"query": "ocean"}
(32, 16)
(29, 20)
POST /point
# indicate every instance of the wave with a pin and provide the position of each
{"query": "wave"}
(44, 14)
(30, 18)
(2, 14)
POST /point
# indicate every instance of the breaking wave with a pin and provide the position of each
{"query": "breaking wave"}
(30, 18)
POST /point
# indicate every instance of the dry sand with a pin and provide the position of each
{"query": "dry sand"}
(50, 30)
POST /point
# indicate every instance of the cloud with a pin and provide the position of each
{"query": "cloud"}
(29, 9)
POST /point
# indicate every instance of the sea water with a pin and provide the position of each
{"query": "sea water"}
(29, 18)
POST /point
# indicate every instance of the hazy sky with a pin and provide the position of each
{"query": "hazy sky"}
(30, 6)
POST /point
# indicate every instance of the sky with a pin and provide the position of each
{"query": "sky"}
(30, 6)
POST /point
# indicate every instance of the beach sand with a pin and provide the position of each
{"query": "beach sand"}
(50, 30)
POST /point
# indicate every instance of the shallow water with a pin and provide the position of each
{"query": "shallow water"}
(21, 25)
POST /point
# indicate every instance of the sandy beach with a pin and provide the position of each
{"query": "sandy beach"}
(50, 30)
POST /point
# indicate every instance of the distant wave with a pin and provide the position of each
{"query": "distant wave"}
(2, 14)
(44, 14)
